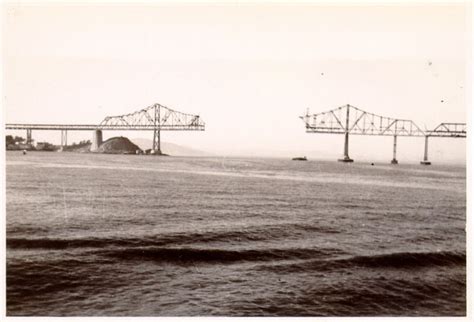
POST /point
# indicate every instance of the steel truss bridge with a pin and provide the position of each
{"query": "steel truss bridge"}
(349, 119)
(154, 118)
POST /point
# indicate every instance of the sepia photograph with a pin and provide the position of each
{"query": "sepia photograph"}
(236, 159)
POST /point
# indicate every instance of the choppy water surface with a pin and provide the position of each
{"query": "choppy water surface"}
(165, 236)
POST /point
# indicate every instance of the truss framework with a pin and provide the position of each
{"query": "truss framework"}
(453, 130)
(155, 117)
(350, 119)
(360, 122)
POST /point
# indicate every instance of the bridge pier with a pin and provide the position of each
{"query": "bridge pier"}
(63, 139)
(96, 140)
(346, 157)
(29, 139)
(156, 149)
(425, 157)
(394, 160)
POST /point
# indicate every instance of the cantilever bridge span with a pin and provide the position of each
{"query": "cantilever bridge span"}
(348, 119)
(154, 118)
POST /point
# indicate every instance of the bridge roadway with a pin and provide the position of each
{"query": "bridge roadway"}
(93, 127)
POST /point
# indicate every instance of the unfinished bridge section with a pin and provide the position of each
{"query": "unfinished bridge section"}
(349, 119)
(154, 118)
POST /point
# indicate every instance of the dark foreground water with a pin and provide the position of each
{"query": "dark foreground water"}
(150, 236)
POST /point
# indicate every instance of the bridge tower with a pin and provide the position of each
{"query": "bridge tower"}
(394, 160)
(346, 157)
(156, 148)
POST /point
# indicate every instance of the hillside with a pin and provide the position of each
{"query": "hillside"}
(118, 145)
(170, 148)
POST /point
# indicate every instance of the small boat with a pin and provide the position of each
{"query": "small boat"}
(300, 159)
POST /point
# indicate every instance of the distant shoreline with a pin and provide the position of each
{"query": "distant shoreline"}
(263, 157)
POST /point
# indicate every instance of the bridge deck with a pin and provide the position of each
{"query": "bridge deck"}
(91, 127)
(437, 133)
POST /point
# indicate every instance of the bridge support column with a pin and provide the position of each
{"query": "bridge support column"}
(156, 149)
(96, 140)
(63, 139)
(394, 160)
(346, 157)
(425, 157)
(29, 139)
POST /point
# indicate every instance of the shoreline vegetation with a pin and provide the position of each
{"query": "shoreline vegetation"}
(114, 145)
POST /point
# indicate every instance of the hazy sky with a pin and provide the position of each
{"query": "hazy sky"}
(248, 70)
